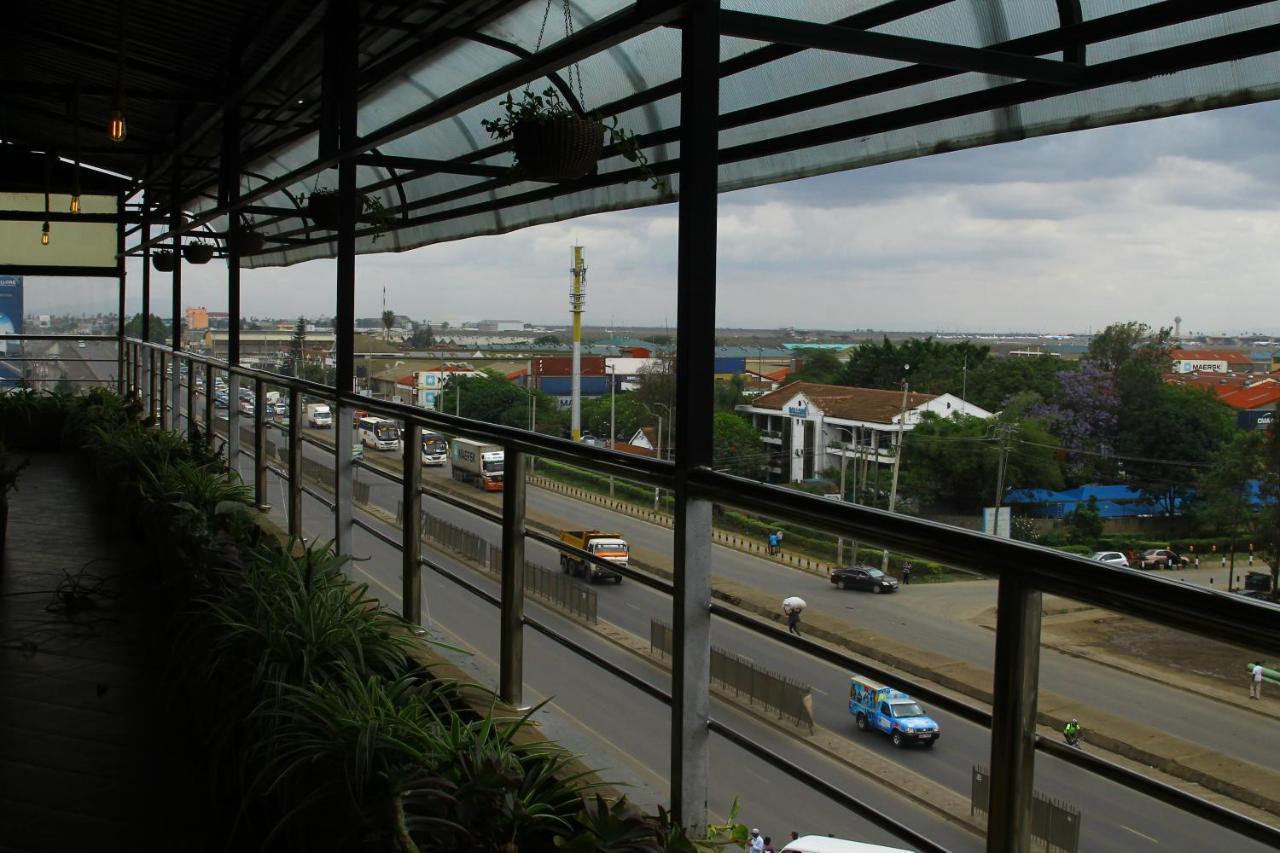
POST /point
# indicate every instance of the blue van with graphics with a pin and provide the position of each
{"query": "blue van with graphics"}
(891, 712)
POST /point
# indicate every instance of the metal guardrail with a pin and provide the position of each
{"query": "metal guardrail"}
(1025, 571)
(790, 699)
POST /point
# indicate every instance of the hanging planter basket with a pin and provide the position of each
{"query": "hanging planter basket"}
(163, 261)
(249, 242)
(559, 148)
(198, 253)
(322, 209)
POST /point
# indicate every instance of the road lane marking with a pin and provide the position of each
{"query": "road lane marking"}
(1140, 835)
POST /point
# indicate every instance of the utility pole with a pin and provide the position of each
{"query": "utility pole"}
(1003, 434)
(577, 300)
(844, 463)
(613, 429)
(897, 459)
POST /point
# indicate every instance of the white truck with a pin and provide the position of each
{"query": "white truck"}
(605, 545)
(319, 416)
(477, 463)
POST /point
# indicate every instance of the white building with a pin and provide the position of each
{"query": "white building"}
(808, 427)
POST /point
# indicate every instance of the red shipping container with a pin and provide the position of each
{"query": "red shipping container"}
(562, 365)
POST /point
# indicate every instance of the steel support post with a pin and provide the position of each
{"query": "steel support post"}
(229, 193)
(1013, 715)
(511, 639)
(208, 405)
(175, 222)
(122, 376)
(411, 526)
(260, 445)
(233, 419)
(695, 341)
(146, 300)
(295, 463)
(341, 63)
(192, 425)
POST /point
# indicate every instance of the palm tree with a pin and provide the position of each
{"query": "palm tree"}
(388, 320)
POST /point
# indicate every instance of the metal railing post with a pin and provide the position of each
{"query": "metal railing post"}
(260, 445)
(411, 525)
(1013, 715)
(192, 426)
(344, 468)
(151, 386)
(164, 392)
(295, 463)
(208, 405)
(511, 640)
(233, 420)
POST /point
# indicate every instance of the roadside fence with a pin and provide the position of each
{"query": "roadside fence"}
(1053, 822)
(788, 699)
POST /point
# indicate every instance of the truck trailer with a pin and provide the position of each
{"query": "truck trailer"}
(477, 463)
(607, 546)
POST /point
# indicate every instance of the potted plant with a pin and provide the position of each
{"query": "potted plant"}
(9, 471)
(163, 260)
(248, 241)
(554, 143)
(198, 252)
(322, 208)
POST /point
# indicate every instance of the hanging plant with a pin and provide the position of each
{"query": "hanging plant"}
(163, 260)
(322, 208)
(247, 241)
(553, 143)
(198, 252)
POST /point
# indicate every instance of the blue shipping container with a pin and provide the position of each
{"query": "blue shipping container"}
(562, 386)
(731, 365)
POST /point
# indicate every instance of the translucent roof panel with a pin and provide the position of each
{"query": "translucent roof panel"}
(958, 75)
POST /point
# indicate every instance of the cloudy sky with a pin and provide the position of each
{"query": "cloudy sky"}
(1060, 234)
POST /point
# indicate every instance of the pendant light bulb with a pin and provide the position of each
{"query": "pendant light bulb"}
(44, 234)
(75, 203)
(117, 129)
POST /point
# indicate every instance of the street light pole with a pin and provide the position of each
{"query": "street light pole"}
(897, 461)
(613, 429)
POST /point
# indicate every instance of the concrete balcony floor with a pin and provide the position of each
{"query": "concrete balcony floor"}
(89, 757)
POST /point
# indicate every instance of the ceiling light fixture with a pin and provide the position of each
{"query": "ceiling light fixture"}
(75, 135)
(44, 229)
(116, 128)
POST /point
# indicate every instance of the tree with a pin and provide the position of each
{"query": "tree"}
(553, 340)
(737, 446)
(133, 329)
(1223, 503)
(318, 373)
(818, 365)
(422, 337)
(994, 381)
(1085, 417)
(1182, 430)
(935, 368)
(954, 462)
(494, 399)
(1267, 527)
(297, 346)
(388, 320)
(1084, 523)
(1115, 345)
(729, 393)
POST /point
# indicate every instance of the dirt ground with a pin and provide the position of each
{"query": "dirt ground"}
(1154, 644)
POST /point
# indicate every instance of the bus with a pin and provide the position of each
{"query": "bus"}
(435, 450)
(379, 433)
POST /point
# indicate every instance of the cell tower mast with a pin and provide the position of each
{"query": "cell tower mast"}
(577, 300)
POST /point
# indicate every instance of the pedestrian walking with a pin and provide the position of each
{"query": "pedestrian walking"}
(793, 620)
(768, 845)
(773, 543)
(757, 843)
(779, 540)
(1255, 680)
(906, 574)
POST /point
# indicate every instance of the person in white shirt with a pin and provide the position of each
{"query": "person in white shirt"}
(757, 843)
(1255, 681)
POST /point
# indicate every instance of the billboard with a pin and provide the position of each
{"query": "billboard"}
(10, 312)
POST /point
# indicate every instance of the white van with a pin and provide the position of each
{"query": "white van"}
(827, 844)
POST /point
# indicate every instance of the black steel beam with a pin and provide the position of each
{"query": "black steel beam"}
(833, 37)
(419, 166)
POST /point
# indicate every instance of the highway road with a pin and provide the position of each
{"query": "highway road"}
(1115, 818)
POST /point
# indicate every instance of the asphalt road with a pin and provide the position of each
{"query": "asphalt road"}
(614, 719)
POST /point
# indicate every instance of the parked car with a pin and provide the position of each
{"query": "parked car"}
(1114, 558)
(863, 577)
(1161, 558)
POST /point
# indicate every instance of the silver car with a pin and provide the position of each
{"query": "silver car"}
(1114, 558)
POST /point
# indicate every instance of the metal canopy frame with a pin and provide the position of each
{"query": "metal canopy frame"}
(304, 71)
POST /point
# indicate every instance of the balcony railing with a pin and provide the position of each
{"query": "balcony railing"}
(1024, 572)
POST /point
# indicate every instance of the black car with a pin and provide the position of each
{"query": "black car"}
(863, 577)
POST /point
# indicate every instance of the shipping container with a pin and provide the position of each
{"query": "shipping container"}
(562, 365)
(731, 365)
(561, 386)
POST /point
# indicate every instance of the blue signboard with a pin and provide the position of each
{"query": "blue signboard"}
(1255, 419)
(10, 315)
